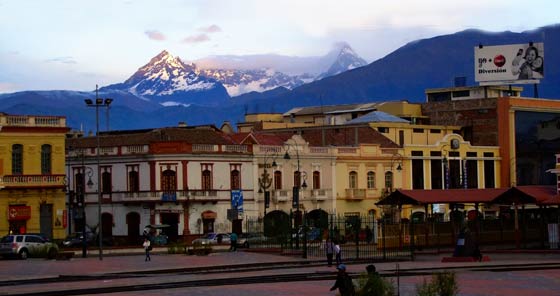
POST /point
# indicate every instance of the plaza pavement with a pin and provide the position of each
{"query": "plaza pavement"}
(522, 282)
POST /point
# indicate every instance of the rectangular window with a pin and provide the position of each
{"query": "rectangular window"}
(383, 129)
(417, 174)
(46, 166)
(17, 159)
(435, 131)
(235, 176)
(436, 174)
(133, 178)
(206, 182)
(418, 130)
(106, 182)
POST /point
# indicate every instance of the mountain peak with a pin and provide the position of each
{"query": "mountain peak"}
(346, 59)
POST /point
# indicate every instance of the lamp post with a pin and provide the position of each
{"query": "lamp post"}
(299, 175)
(265, 181)
(99, 102)
(396, 159)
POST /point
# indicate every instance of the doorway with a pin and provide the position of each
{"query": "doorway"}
(46, 217)
(171, 219)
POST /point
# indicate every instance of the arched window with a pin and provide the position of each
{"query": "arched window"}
(277, 180)
(353, 180)
(46, 164)
(235, 180)
(133, 181)
(206, 180)
(17, 159)
(168, 181)
(389, 180)
(370, 180)
(316, 180)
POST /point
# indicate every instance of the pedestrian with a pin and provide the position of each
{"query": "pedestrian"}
(147, 247)
(343, 282)
(369, 234)
(233, 240)
(373, 283)
(338, 253)
(329, 249)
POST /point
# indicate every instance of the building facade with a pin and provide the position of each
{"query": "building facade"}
(32, 179)
(189, 178)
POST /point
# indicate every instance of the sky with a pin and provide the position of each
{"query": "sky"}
(76, 44)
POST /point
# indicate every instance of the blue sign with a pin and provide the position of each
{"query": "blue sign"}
(237, 200)
(169, 196)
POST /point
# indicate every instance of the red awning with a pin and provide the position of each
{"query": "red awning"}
(521, 194)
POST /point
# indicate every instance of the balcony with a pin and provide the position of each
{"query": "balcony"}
(179, 195)
(355, 194)
(279, 196)
(318, 195)
(32, 181)
(32, 121)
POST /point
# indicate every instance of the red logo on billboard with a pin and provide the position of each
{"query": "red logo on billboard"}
(499, 60)
(16, 213)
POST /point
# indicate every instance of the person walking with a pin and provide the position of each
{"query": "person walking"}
(338, 253)
(233, 240)
(147, 247)
(343, 282)
(329, 249)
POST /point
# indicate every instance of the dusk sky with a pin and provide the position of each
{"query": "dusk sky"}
(74, 45)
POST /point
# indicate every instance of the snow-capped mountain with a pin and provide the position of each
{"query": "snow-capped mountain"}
(346, 60)
(170, 81)
(238, 82)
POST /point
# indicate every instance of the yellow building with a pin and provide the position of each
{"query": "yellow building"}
(32, 175)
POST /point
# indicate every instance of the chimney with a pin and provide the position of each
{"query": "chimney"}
(182, 124)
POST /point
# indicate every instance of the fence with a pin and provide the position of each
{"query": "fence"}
(363, 237)
(359, 237)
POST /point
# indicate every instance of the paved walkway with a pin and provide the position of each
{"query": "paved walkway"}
(541, 282)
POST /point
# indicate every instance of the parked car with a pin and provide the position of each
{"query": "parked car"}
(245, 240)
(76, 240)
(213, 238)
(27, 245)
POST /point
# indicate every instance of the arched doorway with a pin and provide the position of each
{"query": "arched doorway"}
(133, 225)
(418, 217)
(171, 219)
(276, 223)
(107, 228)
(208, 219)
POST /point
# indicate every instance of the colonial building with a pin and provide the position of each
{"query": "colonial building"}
(189, 178)
(32, 179)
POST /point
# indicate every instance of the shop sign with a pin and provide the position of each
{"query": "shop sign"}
(17, 213)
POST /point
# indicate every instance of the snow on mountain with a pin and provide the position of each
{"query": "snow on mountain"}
(238, 82)
(167, 78)
(346, 60)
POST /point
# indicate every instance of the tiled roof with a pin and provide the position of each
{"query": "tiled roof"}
(333, 136)
(191, 135)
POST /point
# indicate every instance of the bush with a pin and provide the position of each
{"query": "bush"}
(177, 248)
(442, 284)
(374, 285)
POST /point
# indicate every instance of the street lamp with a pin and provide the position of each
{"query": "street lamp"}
(299, 175)
(265, 181)
(99, 102)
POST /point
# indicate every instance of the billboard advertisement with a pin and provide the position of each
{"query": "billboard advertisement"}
(514, 63)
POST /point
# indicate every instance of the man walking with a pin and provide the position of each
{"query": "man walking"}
(343, 282)
(233, 240)
(329, 249)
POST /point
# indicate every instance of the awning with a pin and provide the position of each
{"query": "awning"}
(445, 196)
(209, 215)
(531, 194)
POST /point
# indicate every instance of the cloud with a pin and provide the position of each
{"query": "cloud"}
(63, 60)
(155, 35)
(196, 38)
(210, 29)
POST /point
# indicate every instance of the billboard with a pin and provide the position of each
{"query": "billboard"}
(509, 64)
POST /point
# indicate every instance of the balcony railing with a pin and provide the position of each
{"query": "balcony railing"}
(319, 194)
(22, 181)
(279, 196)
(32, 121)
(355, 194)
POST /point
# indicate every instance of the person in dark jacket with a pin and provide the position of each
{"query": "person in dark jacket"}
(329, 249)
(343, 282)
